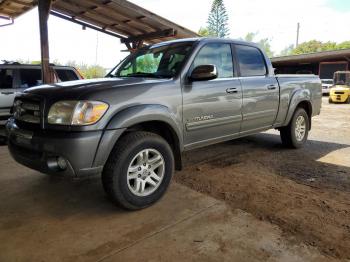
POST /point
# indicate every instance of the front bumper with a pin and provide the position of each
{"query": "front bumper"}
(39, 149)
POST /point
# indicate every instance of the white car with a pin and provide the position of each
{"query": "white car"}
(326, 85)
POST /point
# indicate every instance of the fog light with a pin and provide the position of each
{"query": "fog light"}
(62, 163)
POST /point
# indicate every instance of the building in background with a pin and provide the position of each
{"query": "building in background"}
(323, 64)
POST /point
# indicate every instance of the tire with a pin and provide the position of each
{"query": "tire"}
(348, 100)
(125, 171)
(289, 133)
(330, 100)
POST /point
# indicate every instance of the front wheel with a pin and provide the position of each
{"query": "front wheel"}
(139, 170)
(295, 134)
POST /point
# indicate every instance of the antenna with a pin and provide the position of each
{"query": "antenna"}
(298, 29)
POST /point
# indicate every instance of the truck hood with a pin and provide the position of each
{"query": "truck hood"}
(78, 88)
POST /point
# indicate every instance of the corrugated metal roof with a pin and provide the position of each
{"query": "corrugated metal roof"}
(120, 17)
(14, 8)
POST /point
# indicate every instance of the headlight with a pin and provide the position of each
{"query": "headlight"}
(76, 113)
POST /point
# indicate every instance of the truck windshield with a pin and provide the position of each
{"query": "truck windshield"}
(155, 62)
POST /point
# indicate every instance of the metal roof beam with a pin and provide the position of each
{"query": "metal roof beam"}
(149, 36)
(93, 10)
(68, 18)
(109, 8)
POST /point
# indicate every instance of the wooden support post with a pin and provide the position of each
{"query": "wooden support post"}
(47, 74)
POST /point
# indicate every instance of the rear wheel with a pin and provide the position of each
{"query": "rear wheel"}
(295, 134)
(139, 170)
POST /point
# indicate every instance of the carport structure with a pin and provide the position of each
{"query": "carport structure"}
(134, 25)
(323, 63)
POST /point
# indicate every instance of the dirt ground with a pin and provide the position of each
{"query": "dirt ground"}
(305, 192)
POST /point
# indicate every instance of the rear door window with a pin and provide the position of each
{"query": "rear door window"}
(30, 77)
(66, 75)
(6, 78)
(251, 61)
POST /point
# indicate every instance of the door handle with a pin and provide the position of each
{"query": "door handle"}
(271, 87)
(231, 90)
(7, 93)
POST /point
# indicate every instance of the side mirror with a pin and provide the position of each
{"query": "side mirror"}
(204, 72)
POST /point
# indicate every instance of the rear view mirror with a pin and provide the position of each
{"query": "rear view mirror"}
(204, 72)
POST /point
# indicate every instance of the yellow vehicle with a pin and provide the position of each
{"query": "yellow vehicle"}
(340, 92)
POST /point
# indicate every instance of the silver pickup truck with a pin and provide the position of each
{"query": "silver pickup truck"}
(163, 99)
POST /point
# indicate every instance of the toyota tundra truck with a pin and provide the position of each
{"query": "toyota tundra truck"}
(163, 99)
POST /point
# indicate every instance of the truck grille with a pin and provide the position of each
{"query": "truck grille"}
(27, 111)
(339, 93)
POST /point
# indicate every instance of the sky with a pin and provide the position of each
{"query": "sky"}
(325, 20)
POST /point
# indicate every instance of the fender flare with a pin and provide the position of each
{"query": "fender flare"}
(143, 113)
(132, 116)
(300, 95)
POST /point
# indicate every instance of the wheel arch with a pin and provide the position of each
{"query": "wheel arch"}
(152, 118)
(166, 131)
(300, 99)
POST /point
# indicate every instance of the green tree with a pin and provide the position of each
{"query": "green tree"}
(287, 50)
(204, 31)
(218, 19)
(314, 46)
(263, 43)
(308, 47)
(329, 46)
(249, 37)
(343, 45)
(92, 71)
(88, 71)
(266, 46)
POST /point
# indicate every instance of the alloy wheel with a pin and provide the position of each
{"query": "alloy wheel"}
(145, 172)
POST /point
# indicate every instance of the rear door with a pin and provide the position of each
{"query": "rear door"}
(260, 89)
(212, 109)
(7, 92)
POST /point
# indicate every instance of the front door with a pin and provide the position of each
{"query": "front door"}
(212, 109)
(260, 90)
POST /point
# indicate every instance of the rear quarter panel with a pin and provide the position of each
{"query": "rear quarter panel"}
(295, 89)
